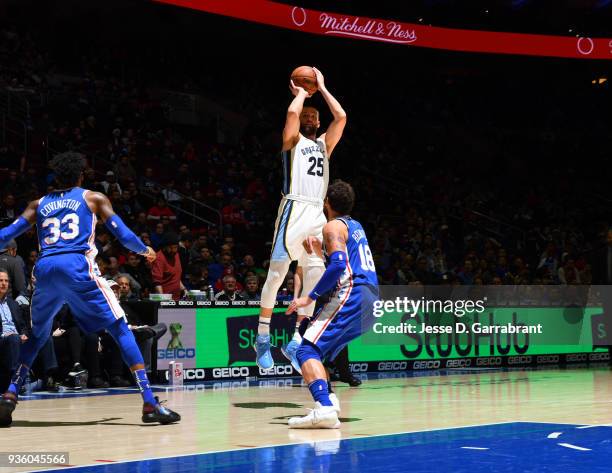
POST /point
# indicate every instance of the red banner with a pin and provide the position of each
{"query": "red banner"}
(390, 31)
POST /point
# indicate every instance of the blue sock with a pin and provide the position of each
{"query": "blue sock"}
(145, 388)
(18, 379)
(320, 392)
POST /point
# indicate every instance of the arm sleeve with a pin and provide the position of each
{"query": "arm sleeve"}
(125, 236)
(335, 268)
(19, 226)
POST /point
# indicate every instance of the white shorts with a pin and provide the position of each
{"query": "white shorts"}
(296, 221)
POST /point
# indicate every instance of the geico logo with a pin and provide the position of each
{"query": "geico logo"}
(519, 360)
(185, 302)
(198, 373)
(492, 361)
(458, 363)
(599, 356)
(392, 365)
(239, 303)
(222, 303)
(359, 367)
(276, 370)
(426, 365)
(547, 359)
(170, 354)
(576, 357)
(235, 372)
(203, 303)
(226, 385)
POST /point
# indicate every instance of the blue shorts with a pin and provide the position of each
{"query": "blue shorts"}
(347, 315)
(73, 279)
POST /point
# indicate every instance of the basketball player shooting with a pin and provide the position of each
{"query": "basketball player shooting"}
(305, 159)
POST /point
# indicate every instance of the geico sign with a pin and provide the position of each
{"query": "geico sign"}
(359, 367)
(392, 365)
(194, 374)
(458, 363)
(575, 357)
(547, 359)
(235, 372)
(599, 356)
(277, 370)
(491, 361)
(426, 365)
(519, 360)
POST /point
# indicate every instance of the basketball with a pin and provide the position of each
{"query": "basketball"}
(304, 76)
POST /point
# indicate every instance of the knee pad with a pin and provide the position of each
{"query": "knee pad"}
(276, 275)
(307, 351)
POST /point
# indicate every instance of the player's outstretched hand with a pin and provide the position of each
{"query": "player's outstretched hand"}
(297, 303)
(295, 90)
(150, 254)
(320, 78)
(313, 244)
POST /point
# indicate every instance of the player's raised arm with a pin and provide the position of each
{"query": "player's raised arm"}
(20, 225)
(336, 128)
(100, 205)
(291, 132)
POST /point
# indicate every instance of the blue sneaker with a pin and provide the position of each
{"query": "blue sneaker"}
(290, 352)
(262, 348)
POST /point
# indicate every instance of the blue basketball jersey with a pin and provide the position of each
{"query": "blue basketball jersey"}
(65, 224)
(361, 269)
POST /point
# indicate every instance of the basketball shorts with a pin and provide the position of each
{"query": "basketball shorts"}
(73, 279)
(296, 221)
(348, 314)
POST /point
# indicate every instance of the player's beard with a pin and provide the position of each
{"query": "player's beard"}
(308, 130)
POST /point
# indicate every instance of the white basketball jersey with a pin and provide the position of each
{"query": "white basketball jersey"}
(306, 169)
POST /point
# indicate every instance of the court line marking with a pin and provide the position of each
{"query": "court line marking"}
(593, 425)
(475, 448)
(294, 443)
(574, 447)
(554, 435)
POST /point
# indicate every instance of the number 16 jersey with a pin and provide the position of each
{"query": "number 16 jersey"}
(65, 224)
(306, 169)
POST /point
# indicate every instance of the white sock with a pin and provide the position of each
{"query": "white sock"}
(296, 335)
(264, 326)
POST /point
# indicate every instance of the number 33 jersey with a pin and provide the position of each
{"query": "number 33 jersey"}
(306, 169)
(65, 224)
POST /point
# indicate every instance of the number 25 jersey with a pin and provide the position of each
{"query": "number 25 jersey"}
(306, 169)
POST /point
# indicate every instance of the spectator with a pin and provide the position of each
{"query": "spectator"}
(185, 240)
(103, 240)
(160, 210)
(125, 288)
(166, 269)
(14, 267)
(110, 184)
(8, 211)
(124, 171)
(171, 195)
(136, 268)
(251, 291)
(13, 330)
(229, 292)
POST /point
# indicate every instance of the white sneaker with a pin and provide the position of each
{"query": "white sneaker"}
(321, 417)
(335, 402)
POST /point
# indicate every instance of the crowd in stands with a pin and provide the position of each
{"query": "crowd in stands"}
(448, 191)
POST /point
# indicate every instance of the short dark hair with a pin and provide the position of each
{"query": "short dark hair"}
(341, 197)
(68, 168)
